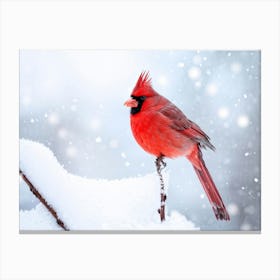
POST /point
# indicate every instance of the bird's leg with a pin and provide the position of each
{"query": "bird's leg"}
(160, 165)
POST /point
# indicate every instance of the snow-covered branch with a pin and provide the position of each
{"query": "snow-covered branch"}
(90, 204)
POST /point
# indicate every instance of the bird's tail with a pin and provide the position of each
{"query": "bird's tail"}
(209, 186)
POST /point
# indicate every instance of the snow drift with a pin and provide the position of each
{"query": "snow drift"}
(90, 204)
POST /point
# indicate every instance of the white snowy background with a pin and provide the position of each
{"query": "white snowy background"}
(72, 102)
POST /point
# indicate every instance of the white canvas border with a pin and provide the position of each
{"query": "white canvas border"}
(140, 25)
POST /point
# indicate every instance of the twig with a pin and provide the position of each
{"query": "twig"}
(160, 165)
(42, 199)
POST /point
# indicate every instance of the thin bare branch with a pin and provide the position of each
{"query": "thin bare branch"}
(43, 200)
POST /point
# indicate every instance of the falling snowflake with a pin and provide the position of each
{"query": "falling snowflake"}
(197, 84)
(211, 89)
(223, 112)
(243, 121)
(194, 73)
(53, 118)
(233, 209)
(71, 151)
(236, 67)
(162, 80)
(180, 64)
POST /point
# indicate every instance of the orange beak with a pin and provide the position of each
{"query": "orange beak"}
(131, 103)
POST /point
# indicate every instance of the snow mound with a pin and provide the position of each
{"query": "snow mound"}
(90, 204)
(38, 218)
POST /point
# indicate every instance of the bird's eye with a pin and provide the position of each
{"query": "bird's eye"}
(142, 98)
(139, 98)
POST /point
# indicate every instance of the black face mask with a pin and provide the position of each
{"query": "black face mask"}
(140, 100)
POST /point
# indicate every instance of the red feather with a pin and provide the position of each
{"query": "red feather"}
(144, 80)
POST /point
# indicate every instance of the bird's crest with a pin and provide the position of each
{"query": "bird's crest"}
(144, 81)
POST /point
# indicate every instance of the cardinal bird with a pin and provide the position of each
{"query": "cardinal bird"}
(163, 130)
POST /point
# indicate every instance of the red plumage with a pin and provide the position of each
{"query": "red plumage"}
(162, 129)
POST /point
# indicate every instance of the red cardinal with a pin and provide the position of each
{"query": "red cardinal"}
(163, 130)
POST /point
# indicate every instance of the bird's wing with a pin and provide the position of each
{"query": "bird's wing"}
(180, 122)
